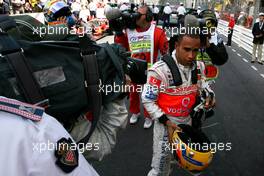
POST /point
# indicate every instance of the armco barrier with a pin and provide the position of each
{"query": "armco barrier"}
(242, 36)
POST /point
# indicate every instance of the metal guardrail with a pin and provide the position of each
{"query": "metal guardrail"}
(242, 36)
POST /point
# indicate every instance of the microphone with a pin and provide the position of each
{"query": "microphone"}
(113, 14)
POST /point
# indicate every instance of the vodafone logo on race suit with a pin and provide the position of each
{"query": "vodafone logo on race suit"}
(184, 107)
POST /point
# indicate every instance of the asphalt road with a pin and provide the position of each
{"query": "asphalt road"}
(238, 120)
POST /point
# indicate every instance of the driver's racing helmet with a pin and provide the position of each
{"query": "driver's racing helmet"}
(191, 149)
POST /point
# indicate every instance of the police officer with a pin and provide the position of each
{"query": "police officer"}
(34, 143)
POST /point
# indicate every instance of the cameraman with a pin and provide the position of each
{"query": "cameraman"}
(147, 41)
(212, 49)
(213, 44)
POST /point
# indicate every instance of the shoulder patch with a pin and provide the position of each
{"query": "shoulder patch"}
(67, 155)
(25, 110)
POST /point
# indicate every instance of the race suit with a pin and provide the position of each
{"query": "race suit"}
(145, 45)
(160, 97)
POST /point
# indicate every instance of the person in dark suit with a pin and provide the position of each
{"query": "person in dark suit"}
(258, 33)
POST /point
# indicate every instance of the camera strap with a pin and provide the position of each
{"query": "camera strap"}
(21, 67)
(92, 82)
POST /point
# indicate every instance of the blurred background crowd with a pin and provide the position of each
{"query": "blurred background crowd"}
(245, 12)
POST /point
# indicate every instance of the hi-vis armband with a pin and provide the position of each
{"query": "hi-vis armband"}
(25, 110)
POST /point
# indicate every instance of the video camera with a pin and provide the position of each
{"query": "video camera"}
(119, 20)
(206, 22)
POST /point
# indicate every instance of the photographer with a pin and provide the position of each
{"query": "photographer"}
(212, 49)
(144, 42)
(166, 15)
(213, 44)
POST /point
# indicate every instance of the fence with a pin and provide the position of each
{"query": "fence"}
(242, 36)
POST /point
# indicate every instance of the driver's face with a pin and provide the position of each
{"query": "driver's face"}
(187, 49)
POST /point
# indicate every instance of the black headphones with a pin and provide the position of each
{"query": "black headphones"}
(149, 15)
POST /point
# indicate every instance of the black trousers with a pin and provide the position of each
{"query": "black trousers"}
(230, 34)
(166, 21)
(156, 18)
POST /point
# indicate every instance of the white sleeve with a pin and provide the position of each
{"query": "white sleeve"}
(170, 10)
(50, 131)
(113, 117)
(28, 148)
(178, 10)
(150, 94)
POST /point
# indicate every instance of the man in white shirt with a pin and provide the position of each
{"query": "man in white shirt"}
(92, 8)
(166, 15)
(34, 143)
(76, 8)
(156, 14)
(181, 13)
(199, 10)
(124, 6)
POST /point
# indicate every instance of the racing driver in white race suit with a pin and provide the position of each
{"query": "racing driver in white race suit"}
(171, 105)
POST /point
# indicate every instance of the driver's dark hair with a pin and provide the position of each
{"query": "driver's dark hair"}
(193, 32)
